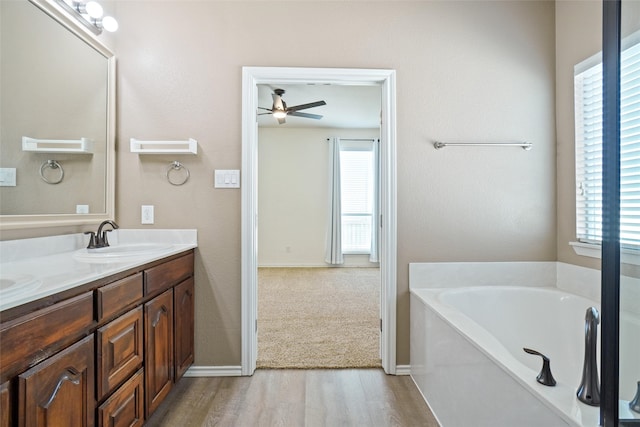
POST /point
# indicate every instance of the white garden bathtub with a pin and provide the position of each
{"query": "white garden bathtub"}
(468, 362)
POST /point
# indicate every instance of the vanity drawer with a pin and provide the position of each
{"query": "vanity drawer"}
(35, 336)
(117, 296)
(126, 407)
(168, 274)
(119, 350)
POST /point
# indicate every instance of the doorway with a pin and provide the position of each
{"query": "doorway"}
(315, 309)
(252, 77)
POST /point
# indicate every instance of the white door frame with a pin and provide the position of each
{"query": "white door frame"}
(253, 76)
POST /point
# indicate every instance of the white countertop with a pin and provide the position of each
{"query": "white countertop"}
(31, 269)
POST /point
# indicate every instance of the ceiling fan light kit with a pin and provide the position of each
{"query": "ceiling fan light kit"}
(280, 111)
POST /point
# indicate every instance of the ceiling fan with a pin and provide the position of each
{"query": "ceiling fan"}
(279, 110)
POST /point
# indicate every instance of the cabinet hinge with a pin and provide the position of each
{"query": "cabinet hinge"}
(380, 325)
(380, 220)
(256, 325)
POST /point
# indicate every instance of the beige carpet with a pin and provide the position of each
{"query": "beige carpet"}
(318, 318)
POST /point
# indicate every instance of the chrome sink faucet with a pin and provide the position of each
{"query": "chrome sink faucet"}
(589, 389)
(99, 239)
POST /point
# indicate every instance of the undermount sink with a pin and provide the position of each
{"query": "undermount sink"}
(118, 252)
(16, 284)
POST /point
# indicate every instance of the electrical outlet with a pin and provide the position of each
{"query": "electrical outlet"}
(82, 209)
(146, 214)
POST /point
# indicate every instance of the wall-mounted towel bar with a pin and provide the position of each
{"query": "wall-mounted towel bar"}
(524, 145)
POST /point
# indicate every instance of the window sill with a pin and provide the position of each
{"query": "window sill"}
(627, 256)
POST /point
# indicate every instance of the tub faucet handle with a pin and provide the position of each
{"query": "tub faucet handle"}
(544, 377)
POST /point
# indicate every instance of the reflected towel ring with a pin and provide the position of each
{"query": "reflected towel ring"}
(176, 166)
(52, 164)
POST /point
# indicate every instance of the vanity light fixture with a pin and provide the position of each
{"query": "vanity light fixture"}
(91, 8)
(89, 13)
(108, 23)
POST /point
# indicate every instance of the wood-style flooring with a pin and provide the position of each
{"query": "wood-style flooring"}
(292, 398)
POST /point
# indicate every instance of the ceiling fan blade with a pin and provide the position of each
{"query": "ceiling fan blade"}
(262, 108)
(305, 106)
(264, 114)
(305, 115)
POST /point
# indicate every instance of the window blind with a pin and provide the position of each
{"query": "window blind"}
(356, 176)
(588, 123)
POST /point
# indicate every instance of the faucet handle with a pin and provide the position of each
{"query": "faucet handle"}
(544, 377)
(105, 241)
(92, 239)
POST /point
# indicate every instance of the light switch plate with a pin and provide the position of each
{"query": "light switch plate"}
(226, 178)
(7, 177)
(82, 209)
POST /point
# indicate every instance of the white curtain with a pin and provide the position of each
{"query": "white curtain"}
(333, 252)
(375, 215)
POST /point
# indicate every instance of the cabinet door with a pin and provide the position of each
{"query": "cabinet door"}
(158, 318)
(119, 350)
(5, 405)
(60, 390)
(125, 408)
(183, 305)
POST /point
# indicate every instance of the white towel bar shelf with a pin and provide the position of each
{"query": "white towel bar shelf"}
(189, 146)
(71, 146)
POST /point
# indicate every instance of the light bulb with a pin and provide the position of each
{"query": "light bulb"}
(93, 9)
(110, 24)
(279, 114)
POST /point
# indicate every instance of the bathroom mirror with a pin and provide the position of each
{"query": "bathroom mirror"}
(57, 86)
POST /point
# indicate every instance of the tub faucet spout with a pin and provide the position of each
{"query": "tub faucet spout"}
(589, 389)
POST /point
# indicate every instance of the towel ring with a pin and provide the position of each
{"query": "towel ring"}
(51, 164)
(176, 166)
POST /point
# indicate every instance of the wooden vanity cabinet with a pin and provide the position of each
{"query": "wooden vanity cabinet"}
(107, 356)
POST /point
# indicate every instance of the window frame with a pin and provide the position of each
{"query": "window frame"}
(590, 244)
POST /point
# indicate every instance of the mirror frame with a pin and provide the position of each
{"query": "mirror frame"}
(68, 21)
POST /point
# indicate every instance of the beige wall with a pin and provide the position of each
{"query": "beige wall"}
(465, 70)
(293, 173)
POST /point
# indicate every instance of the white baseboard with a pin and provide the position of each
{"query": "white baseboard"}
(214, 371)
(403, 370)
(236, 371)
